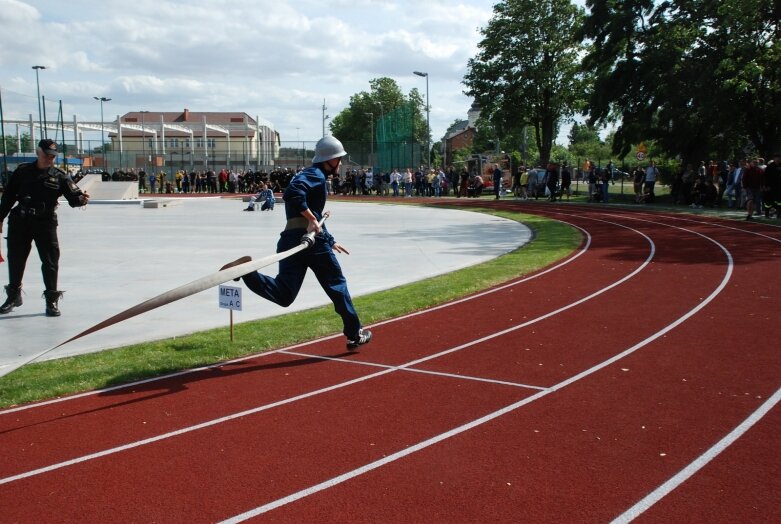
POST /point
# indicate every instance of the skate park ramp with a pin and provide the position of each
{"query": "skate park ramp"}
(100, 190)
(114, 256)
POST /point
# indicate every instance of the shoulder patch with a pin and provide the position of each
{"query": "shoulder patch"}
(56, 171)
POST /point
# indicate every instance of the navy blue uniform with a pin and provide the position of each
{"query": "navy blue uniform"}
(34, 219)
(307, 190)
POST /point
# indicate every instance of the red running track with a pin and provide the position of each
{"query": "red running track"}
(637, 379)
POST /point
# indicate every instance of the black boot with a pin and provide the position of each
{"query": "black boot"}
(52, 297)
(14, 299)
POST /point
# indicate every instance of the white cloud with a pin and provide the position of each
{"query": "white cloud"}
(277, 59)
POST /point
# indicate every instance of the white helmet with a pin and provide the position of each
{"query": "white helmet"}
(327, 148)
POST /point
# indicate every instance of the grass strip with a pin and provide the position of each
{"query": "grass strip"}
(42, 380)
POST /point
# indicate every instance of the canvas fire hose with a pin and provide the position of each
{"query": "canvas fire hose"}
(183, 291)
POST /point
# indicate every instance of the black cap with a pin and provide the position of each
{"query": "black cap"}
(49, 146)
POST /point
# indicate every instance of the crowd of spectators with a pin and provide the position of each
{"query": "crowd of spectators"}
(750, 184)
(208, 181)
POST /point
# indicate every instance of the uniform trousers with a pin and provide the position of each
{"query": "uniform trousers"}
(320, 258)
(22, 232)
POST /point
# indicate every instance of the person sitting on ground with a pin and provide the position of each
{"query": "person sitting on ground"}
(265, 195)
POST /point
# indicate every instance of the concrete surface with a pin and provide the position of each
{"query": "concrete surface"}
(117, 254)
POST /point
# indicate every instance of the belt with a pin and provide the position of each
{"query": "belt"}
(296, 223)
(33, 212)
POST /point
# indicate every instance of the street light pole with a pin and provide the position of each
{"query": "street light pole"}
(40, 113)
(371, 140)
(102, 131)
(325, 117)
(428, 119)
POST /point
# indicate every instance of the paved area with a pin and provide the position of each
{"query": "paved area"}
(115, 255)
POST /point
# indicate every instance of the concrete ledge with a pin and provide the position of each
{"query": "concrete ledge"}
(154, 204)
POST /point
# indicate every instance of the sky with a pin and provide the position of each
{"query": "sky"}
(279, 60)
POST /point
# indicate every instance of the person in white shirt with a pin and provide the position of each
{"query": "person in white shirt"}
(651, 174)
(369, 184)
(395, 181)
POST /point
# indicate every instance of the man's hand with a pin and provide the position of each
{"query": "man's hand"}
(312, 221)
(340, 249)
(84, 198)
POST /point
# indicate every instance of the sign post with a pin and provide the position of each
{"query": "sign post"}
(230, 298)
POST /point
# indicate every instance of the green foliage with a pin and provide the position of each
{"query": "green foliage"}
(460, 155)
(367, 110)
(526, 72)
(12, 144)
(701, 78)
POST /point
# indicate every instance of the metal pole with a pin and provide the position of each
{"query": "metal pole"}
(44, 132)
(371, 139)
(2, 133)
(102, 130)
(428, 119)
(428, 125)
(325, 117)
(143, 139)
(40, 112)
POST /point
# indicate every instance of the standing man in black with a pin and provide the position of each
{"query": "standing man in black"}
(35, 188)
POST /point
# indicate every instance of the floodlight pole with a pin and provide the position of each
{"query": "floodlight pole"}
(102, 131)
(40, 112)
(428, 119)
(371, 139)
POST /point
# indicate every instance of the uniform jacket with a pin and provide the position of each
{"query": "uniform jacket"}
(38, 189)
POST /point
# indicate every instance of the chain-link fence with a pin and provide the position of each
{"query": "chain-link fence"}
(218, 154)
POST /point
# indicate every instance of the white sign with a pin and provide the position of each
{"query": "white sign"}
(640, 155)
(230, 298)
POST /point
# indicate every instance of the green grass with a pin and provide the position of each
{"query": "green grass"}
(552, 241)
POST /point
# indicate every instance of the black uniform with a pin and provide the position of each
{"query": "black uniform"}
(35, 192)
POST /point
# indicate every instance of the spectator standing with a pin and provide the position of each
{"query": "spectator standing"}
(552, 181)
(607, 178)
(222, 178)
(592, 182)
(566, 180)
(497, 180)
(369, 181)
(142, 181)
(752, 184)
(772, 198)
(651, 175)
(395, 181)
(407, 178)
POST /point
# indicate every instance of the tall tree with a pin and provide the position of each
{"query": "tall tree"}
(366, 110)
(527, 69)
(701, 77)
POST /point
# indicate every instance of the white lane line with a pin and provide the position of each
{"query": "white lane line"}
(131, 385)
(699, 463)
(415, 370)
(714, 223)
(182, 431)
(512, 407)
(258, 409)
